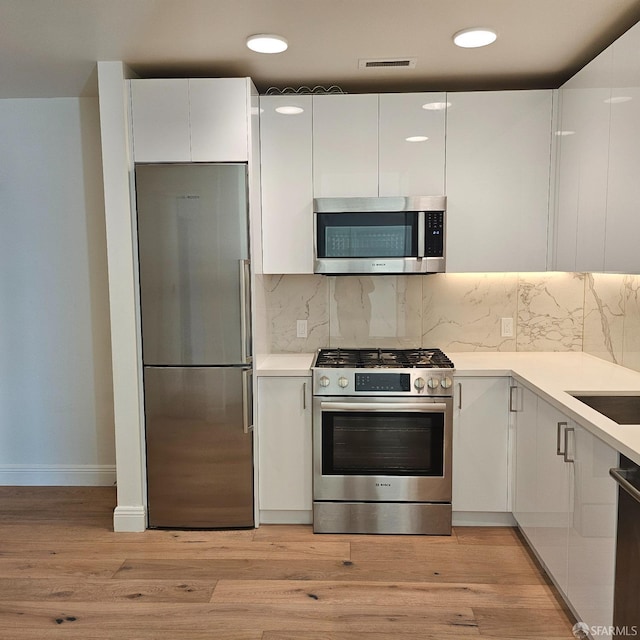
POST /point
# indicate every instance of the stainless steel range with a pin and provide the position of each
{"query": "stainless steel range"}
(382, 432)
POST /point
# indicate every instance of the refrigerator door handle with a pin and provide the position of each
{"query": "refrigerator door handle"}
(247, 400)
(245, 310)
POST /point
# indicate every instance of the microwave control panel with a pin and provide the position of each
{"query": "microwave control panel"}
(434, 242)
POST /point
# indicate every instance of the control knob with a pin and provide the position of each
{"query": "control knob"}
(419, 383)
(343, 382)
(446, 383)
(433, 383)
(324, 381)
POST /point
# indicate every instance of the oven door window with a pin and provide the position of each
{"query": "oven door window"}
(370, 235)
(382, 443)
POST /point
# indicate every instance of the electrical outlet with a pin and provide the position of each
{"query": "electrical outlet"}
(506, 327)
(301, 328)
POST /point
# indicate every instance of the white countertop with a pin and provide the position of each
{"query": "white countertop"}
(549, 374)
(284, 364)
(553, 375)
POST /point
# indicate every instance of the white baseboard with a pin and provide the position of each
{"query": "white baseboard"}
(483, 519)
(132, 519)
(286, 517)
(58, 475)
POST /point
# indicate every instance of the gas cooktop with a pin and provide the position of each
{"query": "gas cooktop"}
(382, 359)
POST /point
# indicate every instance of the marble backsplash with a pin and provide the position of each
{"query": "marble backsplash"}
(595, 313)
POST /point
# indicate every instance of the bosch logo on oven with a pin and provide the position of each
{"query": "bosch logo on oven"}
(383, 484)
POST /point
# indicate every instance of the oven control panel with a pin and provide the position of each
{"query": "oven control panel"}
(350, 382)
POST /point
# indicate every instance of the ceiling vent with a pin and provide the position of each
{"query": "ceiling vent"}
(381, 63)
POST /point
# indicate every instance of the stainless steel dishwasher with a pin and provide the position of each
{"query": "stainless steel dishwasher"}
(626, 607)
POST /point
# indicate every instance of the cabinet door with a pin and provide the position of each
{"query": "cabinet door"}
(525, 493)
(592, 534)
(345, 145)
(160, 114)
(480, 444)
(284, 442)
(497, 177)
(407, 166)
(582, 168)
(219, 119)
(553, 482)
(287, 185)
(623, 193)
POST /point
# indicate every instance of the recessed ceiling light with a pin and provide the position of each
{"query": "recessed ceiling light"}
(267, 43)
(565, 133)
(289, 110)
(618, 99)
(436, 106)
(476, 37)
(417, 139)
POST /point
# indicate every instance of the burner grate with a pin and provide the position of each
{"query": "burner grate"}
(383, 358)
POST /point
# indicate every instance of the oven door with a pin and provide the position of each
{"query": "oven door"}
(382, 449)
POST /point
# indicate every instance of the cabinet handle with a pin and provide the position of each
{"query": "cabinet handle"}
(559, 451)
(459, 395)
(304, 395)
(512, 405)
(566, 444)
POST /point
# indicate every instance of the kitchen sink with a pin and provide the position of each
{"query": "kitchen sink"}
(623, 409)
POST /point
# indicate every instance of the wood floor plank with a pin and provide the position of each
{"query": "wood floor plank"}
(166, 618)
(80, 569)
(371, 570)
(339, 635)
(65, 631)
(422, 594)
(495, 622)
(72, 590)
(201, 550)
(302, 533)
(502, 536)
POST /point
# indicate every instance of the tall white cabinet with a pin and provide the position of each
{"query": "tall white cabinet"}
(597, 219)
(287, 184)
(497, 180)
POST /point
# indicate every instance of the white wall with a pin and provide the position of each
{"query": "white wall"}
(56, 399)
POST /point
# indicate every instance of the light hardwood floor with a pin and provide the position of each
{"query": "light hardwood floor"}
(65, 574)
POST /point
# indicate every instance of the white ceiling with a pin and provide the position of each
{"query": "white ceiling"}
(48, 48)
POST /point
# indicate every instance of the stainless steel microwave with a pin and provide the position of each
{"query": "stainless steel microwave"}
(389, 235)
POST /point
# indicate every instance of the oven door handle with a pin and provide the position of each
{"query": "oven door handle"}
(420, 407)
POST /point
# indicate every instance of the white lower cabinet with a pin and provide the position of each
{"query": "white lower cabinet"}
(480, 444)
(592, 530)
(284, 449)
(565, 504)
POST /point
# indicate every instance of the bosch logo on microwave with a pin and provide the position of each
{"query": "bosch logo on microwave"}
(378, 264)
(383, 484)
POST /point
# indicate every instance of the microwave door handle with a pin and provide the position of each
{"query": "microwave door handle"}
(421, 235)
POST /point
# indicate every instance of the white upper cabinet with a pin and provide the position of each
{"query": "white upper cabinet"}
(582, 155)
(219, 119)
(345, 145)
(197, 120)
(623, 193)
(287, 185)
(409, 164)
(498, 155)
(160, 114)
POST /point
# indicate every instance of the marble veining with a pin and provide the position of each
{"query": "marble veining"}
(297, 297)
(631, 336)
(550, 312)
(604, 306)
(462, 312)
(375, 311)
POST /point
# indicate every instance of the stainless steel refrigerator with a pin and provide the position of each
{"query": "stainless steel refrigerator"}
(196, 343)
